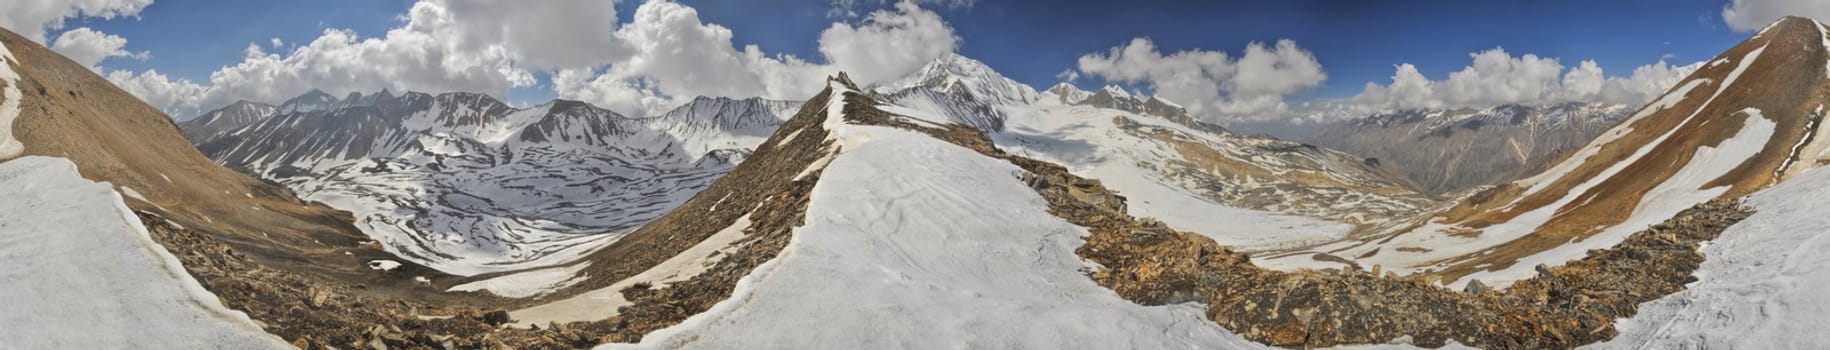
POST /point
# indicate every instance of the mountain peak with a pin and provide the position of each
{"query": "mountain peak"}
(1116, 91)
(1068, 93)
(312, 101)
(953, 73)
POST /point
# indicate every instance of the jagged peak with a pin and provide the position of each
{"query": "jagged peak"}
(310, 101)
(953, 73)
(1116, 91)
(1163, 101)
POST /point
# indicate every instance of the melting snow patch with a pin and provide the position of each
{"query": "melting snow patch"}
(604, 302)
(10, 100)
(384, 265)
(528, 284)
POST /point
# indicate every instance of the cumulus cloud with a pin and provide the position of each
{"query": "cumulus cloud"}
(160, 90)
(89, 47)
(1496, 77)
(888, 45)
(675, 55)
(1213, 83)
(408, 58)
(663, 55)
(849, 8)
(544, 35)
(1748, 15)
(34, 18)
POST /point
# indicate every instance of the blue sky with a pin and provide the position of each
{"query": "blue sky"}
(1034, 41)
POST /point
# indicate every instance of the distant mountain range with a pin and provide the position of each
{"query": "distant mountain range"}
(1451, 150)
(468, 184)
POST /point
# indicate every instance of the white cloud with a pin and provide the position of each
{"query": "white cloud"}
(663, 55)
(549, 34)
(89, 47)
(1496, 77)
(1748, 15)
(849, 8)
(438, 47)
(34, 18)
(1212, 83)
(889, 44)
(276, 42)
(160, 90)
(675, 55)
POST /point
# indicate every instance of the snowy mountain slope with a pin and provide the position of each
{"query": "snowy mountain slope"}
(83, 273)
(112, 136)
(962, 89)
(912, 242)
(225, 119)
(1194, 174)
(1262, 193)
(469, 185)
(1761, 286)
(312, 101)
(1727, 130)
(1448, 151)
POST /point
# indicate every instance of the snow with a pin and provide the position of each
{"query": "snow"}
(1545, 179)
(10, 100)
(1085, 140)
(83, 273)
(912, 242)
(1683, 190)
(527, 284)
(952, 71)
(1824, 39)
(1761, 287)
(603, 303)
(1117, 91)
(384, 265)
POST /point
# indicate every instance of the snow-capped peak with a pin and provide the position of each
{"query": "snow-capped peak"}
(312, 101)
(955, 74)
(1068, 93)
(1117, 91)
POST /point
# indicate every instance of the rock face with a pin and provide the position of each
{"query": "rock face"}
(1448, 151)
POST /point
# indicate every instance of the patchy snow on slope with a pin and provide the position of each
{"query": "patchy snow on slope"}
(1762, 286)
(527, 284)
(9, 104)
(912, 242)
(603, 303)
(1546, 178)
(1683, 190)
(82, 273)
(1085, 140)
